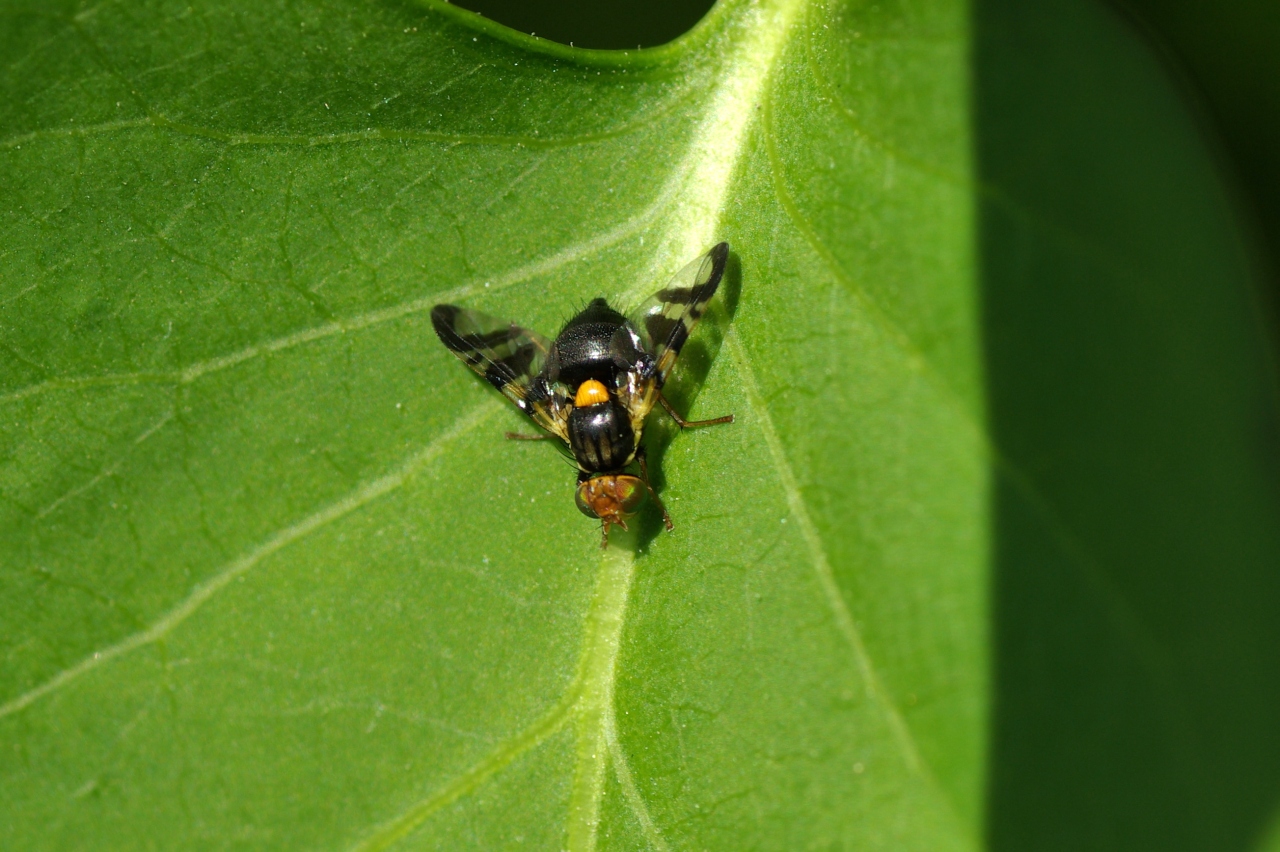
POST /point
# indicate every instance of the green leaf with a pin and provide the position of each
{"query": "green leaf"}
(1132, 397)
(271, 576)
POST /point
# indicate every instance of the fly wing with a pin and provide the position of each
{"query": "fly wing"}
(508, 357)
(669, 315)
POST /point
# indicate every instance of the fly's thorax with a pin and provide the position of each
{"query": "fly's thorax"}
(601, 436)
(583, 349)
(582, 352)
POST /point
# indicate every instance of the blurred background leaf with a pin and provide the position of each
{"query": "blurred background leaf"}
(1132, 393)
(1224, 58)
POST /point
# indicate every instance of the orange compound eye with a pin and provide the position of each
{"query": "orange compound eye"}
(586, 499)
(628, 492)
(590, 392)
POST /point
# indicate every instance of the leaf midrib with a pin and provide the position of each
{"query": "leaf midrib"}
(702, 184)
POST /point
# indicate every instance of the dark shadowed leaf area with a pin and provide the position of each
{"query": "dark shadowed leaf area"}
(988, 560)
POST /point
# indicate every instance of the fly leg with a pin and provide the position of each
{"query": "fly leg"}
(691, 424)
(644, 477)
(604, 531)
(516, 436)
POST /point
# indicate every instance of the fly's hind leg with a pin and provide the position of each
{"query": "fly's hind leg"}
(691, 424)
(516, 436)
(644, 477)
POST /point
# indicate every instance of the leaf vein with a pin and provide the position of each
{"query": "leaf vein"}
(622, 771)
(1137, 631)
(915, 357)
(400, 827)
(108, 471)
(441, 137)
(570, 254)
(817, 551)
(205, 591)
(17, 141)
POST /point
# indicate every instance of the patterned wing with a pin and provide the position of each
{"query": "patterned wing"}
(508, 357)
(667, 318)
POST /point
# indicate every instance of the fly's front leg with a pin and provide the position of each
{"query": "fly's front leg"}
(644, 477)
(691, 424)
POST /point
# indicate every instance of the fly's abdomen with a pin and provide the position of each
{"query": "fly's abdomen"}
(601, 437)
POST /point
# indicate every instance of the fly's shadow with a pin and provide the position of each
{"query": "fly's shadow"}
(681, 390)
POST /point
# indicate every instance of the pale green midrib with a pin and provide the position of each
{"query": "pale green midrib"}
(715, 152)
(274, 543)
(589, 700)
(597, 675)
(717, 149)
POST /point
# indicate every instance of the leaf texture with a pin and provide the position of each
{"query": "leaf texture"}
(272, 577)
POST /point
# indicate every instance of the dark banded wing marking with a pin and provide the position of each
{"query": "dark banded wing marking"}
(508, 357)
(669, 315)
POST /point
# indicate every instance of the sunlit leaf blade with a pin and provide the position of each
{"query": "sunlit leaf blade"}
(271, 577)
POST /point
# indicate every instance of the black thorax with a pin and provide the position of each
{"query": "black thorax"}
(595, 345)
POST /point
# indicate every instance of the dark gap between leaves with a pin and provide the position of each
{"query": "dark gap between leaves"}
(617, 25)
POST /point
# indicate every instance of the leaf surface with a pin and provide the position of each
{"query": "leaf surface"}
(271, 576)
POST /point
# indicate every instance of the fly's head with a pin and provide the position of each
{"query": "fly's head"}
(611, 497)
